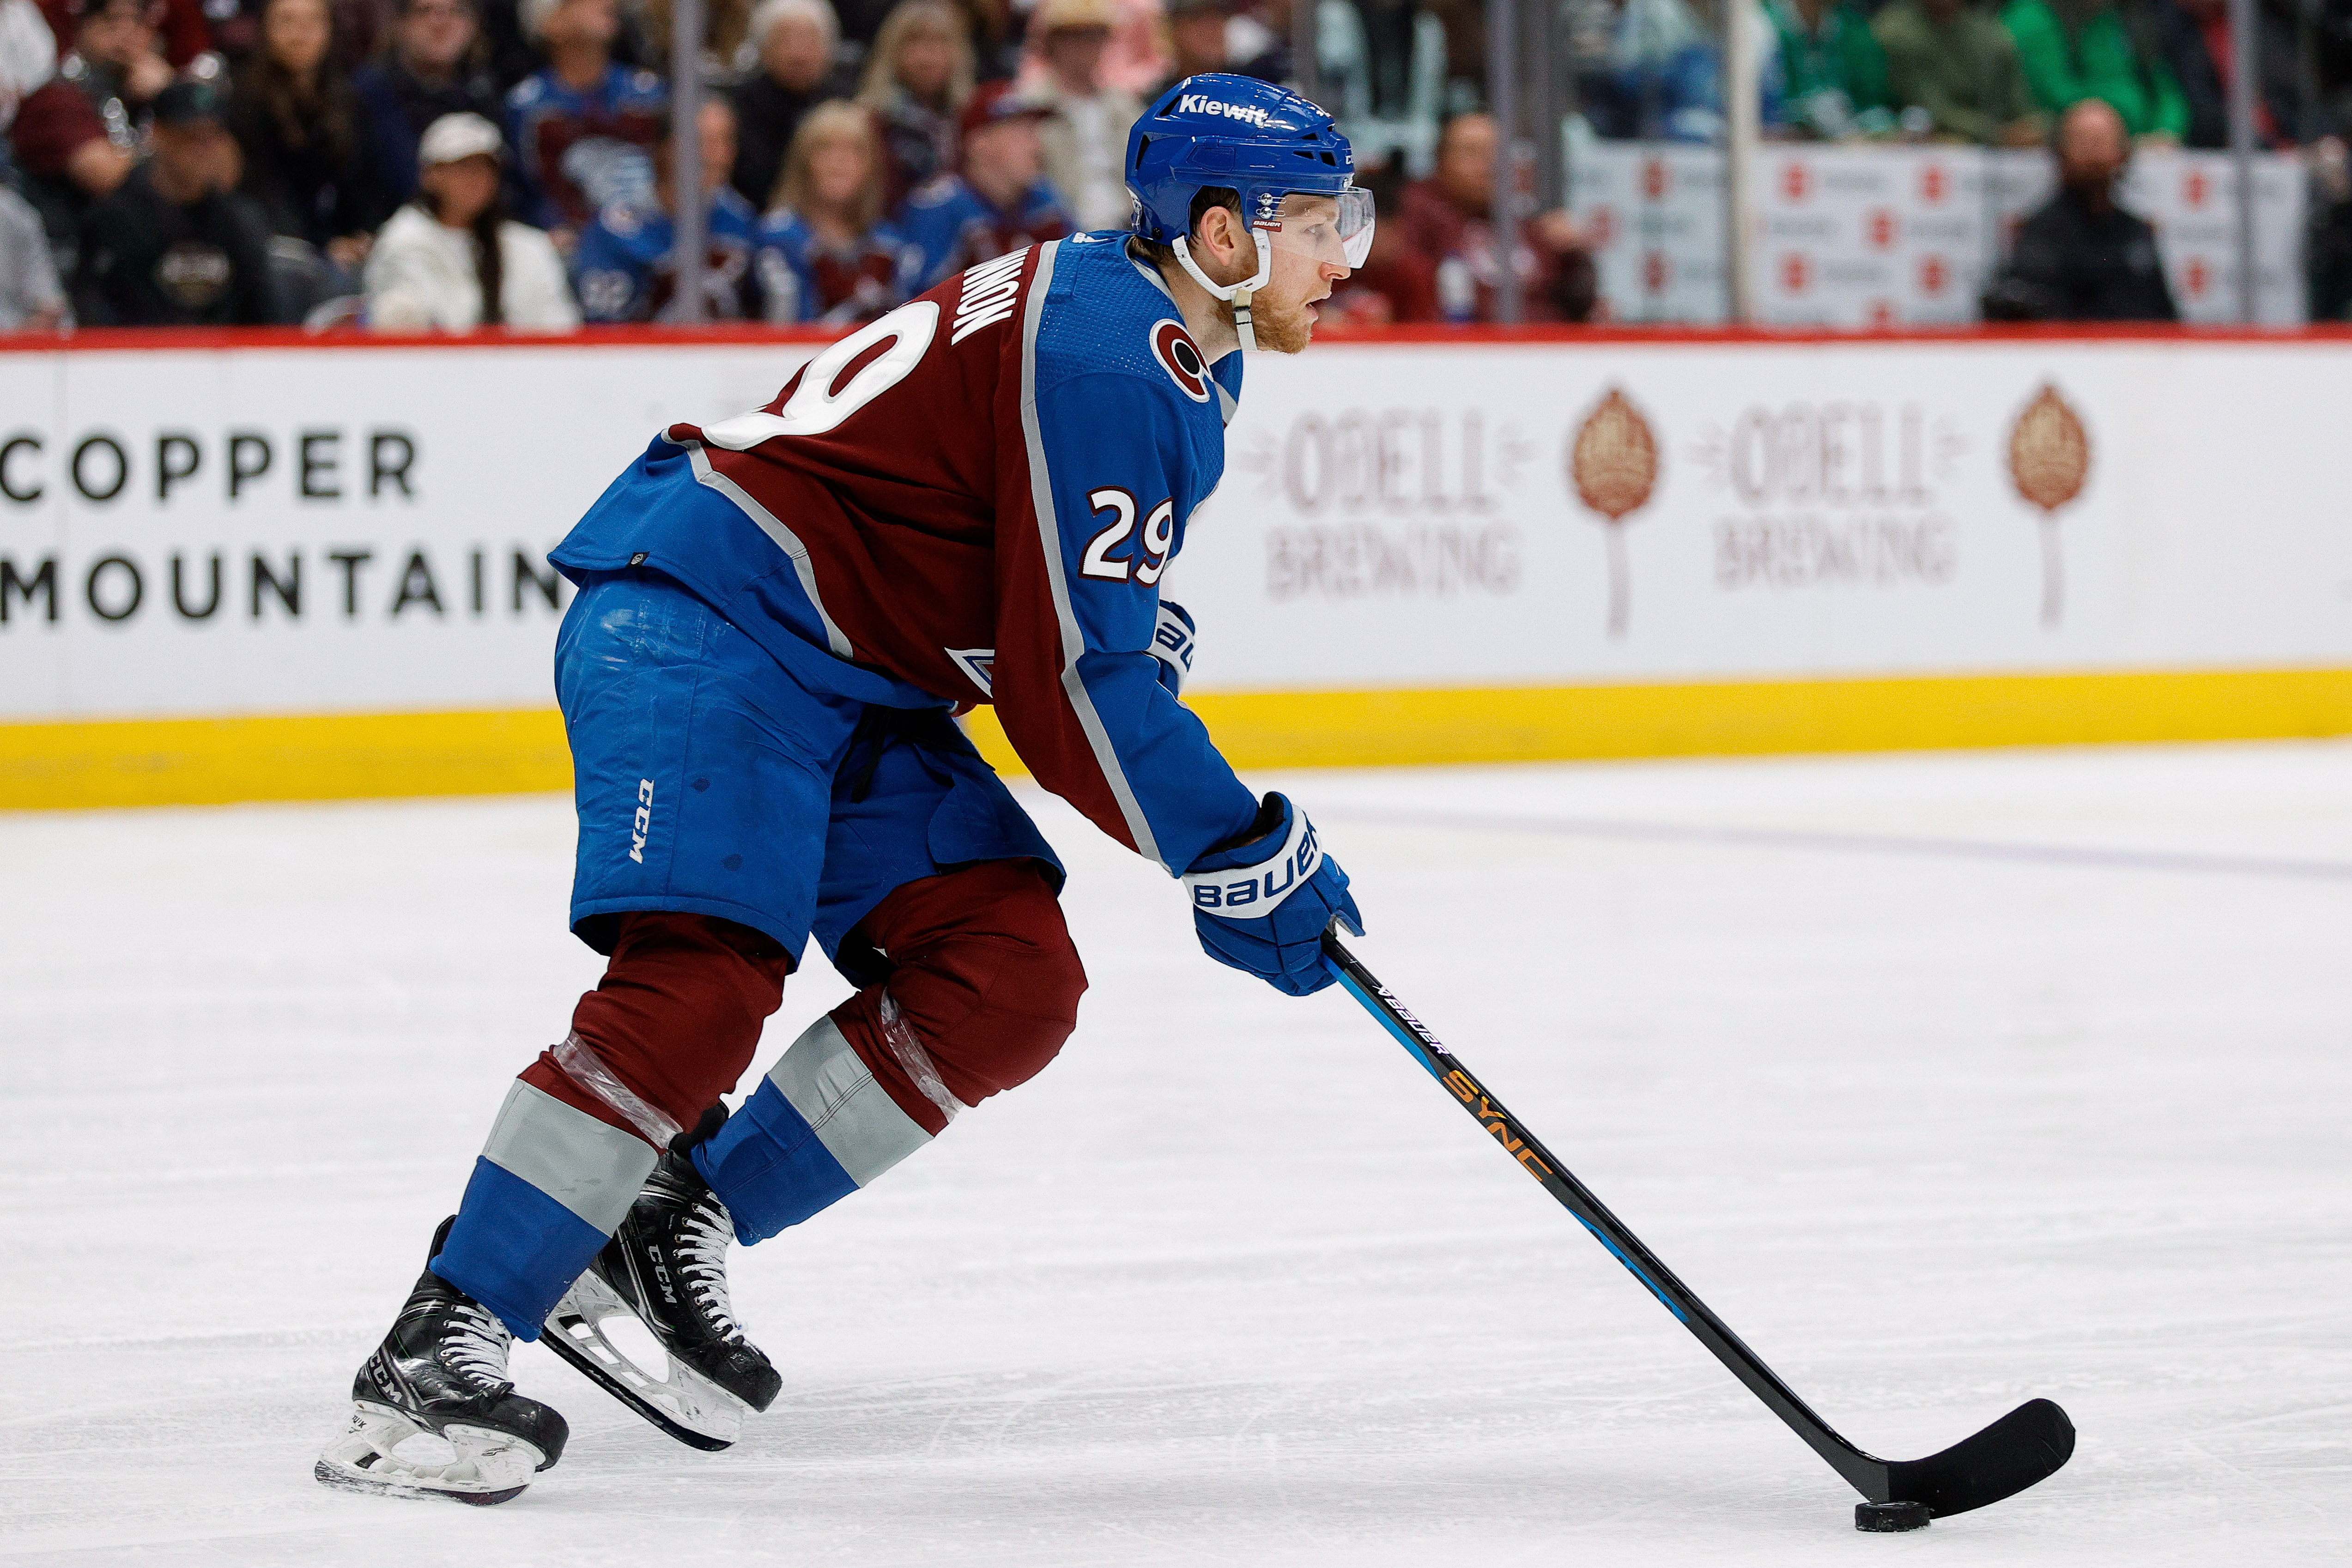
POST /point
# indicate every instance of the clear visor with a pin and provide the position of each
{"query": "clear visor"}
(1335, 231)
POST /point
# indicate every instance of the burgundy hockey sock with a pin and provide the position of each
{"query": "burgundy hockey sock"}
(670, 1029)
(674, 1022)
(983, 990)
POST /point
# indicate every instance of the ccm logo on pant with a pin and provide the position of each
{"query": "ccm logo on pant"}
(645, 822)
(1245, 894)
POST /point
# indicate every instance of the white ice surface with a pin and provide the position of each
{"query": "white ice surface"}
(1937, 1130)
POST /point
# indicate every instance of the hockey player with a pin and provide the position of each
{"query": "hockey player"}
(971, 501)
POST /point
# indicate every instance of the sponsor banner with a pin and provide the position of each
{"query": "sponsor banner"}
(285, 531)
(1857, 237)
(1432, 516)
(1653, 215)
(308, 529)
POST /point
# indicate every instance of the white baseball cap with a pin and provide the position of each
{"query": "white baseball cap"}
(455, 136)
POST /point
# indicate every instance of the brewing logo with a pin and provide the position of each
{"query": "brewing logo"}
(1612, 464)
(2049, 459)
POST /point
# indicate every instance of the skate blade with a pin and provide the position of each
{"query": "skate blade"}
(486, 1467)
(686, 1404)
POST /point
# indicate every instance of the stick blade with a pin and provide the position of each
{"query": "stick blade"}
(2028, 1444)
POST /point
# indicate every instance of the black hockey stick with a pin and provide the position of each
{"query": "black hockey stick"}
(2023, 1446)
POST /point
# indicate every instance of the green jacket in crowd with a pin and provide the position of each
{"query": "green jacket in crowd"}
(2102, 62)
(1966, 74)
(1834, 80)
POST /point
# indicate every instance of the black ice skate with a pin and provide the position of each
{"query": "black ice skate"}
(666, 1267)
(442, 1371)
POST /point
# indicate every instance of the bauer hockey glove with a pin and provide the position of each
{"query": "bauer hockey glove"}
(1262, 907)
(1171, 644)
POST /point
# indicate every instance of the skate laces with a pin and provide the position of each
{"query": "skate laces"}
(704, 1231)
(476, 1346)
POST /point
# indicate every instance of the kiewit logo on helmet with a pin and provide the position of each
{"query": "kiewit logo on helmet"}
(1198, 103)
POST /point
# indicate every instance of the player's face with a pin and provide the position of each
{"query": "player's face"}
(1309, 257)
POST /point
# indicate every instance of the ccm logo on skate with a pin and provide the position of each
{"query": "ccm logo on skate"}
(645, 822)
(1495, 1122)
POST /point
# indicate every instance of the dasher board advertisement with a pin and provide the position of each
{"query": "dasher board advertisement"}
(314, 529)
(289, 530)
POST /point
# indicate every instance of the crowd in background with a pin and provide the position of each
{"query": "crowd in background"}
(421, 164)
(1995, 74)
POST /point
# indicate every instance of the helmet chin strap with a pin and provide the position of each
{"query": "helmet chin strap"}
(1237, 295)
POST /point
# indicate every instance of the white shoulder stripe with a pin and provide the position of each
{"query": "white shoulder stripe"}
(1074, 642)
(785, 538)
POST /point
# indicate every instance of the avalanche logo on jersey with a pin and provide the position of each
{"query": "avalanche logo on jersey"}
(979, 667)
(1180, 357)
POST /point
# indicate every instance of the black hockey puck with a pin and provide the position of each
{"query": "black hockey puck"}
(1890, 1518)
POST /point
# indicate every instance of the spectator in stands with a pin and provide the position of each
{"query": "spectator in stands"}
(452, 260)
(308, 161)
(1833, 71)
(582, 127)
(997, 204)
(2193, 39)
(1085, 130)
(513, 54)
(917, 80)
(795, 40)
(1196, 41)
(77, 136)
(1954, 61)
(434, 68)
(176, 244)
(181, 27)
(994, 28)
(2082, 258)
(824, 255)
(726, 24)
(1135, 56)
(1663, 78)
(1447, 218)
(627, 268)
(1258, 38)
(28, 58)
(30, 299)
(2074, 50)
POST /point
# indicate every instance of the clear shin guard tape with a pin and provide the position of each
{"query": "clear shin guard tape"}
(584, 1067)
(899, 1036)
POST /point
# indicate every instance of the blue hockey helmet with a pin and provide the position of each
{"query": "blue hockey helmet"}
(1263, 141)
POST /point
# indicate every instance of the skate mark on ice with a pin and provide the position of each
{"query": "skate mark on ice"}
(1858, 843)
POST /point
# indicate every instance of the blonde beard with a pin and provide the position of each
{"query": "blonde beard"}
(1277, 331)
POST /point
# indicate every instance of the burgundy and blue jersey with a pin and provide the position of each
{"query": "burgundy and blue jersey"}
(576, 152)
(954, 226)
(624, 269)
(803, 278)
(973, 500)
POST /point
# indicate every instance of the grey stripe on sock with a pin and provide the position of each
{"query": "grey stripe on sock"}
(855, 1117)
(589, 1166)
